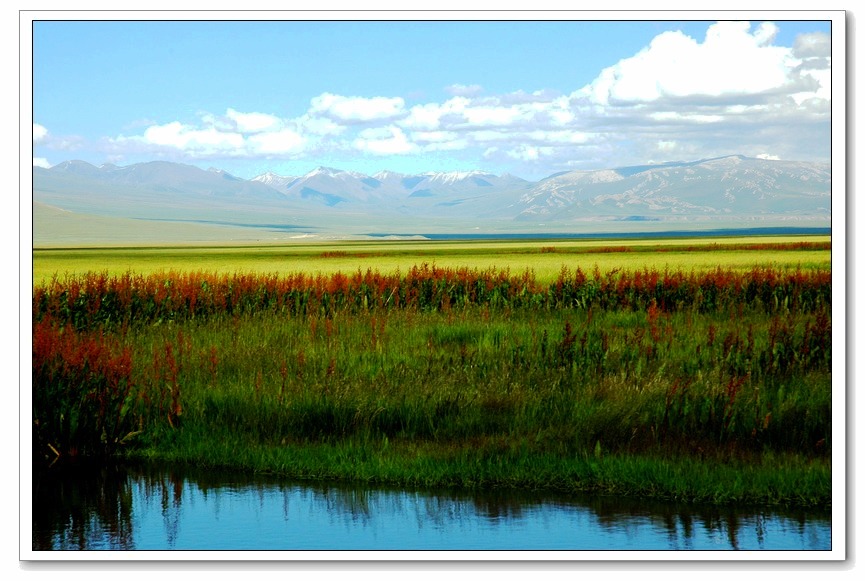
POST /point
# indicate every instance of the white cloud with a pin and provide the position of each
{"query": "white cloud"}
(529, 152)
(429, 116)
(559, 112)
(767, 156)
(67, 143)
(495, 116)
(823, 78)
(217, 122)
(41, 162)
(485, 135)
(765, 33)
(429, 141)
(524, 153)
(731, 61)
(384, 141)
(318, 125)
(458, 90)
(454, 145)
(277, 142)
(559, 137)
(535, 97)
(734, 90)
(253, 122)
(684, 117)
(39, 133)
(355, 109)
(813, 44)
(192, 140)
(434, 136)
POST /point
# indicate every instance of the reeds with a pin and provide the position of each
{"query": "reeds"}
(97, 299)
(82, 394)
(721, 366)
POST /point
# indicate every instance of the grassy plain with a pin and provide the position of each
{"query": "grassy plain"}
(710, 385)
(544, 257)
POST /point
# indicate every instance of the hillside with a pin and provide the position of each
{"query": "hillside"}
(716, 193)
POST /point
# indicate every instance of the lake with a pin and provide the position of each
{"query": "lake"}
(159, 508)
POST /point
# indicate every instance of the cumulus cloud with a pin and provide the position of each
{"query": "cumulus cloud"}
(214, 139)
(559, 137)
(253, 122)
(813, 44)
(429, 116)
(684, 117)
(459, 144)
(41, 162)
(318, 125)
(731, 61)
(39, 133)
(43, 138)
(217, 122)
(529, 152)
(434, 136)
(495, 116)
(384, 141)
(479, 115)
(357, 109)
(285, 141)
(192, 140)
(734, 91)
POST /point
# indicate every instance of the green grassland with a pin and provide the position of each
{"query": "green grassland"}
(544, 257)
(676, 370)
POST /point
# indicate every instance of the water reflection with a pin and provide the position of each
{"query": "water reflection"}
(156, 508)
(87, 508)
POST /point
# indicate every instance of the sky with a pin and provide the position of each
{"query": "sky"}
(529, 98)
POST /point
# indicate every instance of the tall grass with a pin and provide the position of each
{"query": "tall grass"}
(719, 367)
(96, 299)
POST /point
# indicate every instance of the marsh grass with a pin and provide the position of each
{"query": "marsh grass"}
(711, 386)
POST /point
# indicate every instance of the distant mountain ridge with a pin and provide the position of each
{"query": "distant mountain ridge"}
(725, 188)
(333, 186)
(732, 185)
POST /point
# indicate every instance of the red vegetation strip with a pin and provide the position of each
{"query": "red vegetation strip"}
(96, 299)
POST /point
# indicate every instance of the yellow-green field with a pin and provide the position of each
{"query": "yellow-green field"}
(545, 257)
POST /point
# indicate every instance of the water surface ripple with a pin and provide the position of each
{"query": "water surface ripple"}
(156, 508)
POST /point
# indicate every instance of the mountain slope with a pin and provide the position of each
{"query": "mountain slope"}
(728, 186)
(153, 190)
(338, 188)
(732, 189)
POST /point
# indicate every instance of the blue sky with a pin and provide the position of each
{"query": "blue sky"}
(528, 98)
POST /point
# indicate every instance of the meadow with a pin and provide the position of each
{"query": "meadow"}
(544, 257)
(697, 370)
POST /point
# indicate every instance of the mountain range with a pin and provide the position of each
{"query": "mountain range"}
(720, 191)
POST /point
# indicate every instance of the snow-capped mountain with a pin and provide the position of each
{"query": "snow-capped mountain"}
(274, 180)
(734, 185)
(453, 177)
(733, 188)
(334, 187)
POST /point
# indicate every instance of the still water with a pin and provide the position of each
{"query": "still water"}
(164, 509)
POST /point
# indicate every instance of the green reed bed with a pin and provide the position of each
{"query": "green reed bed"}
(713, 387)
